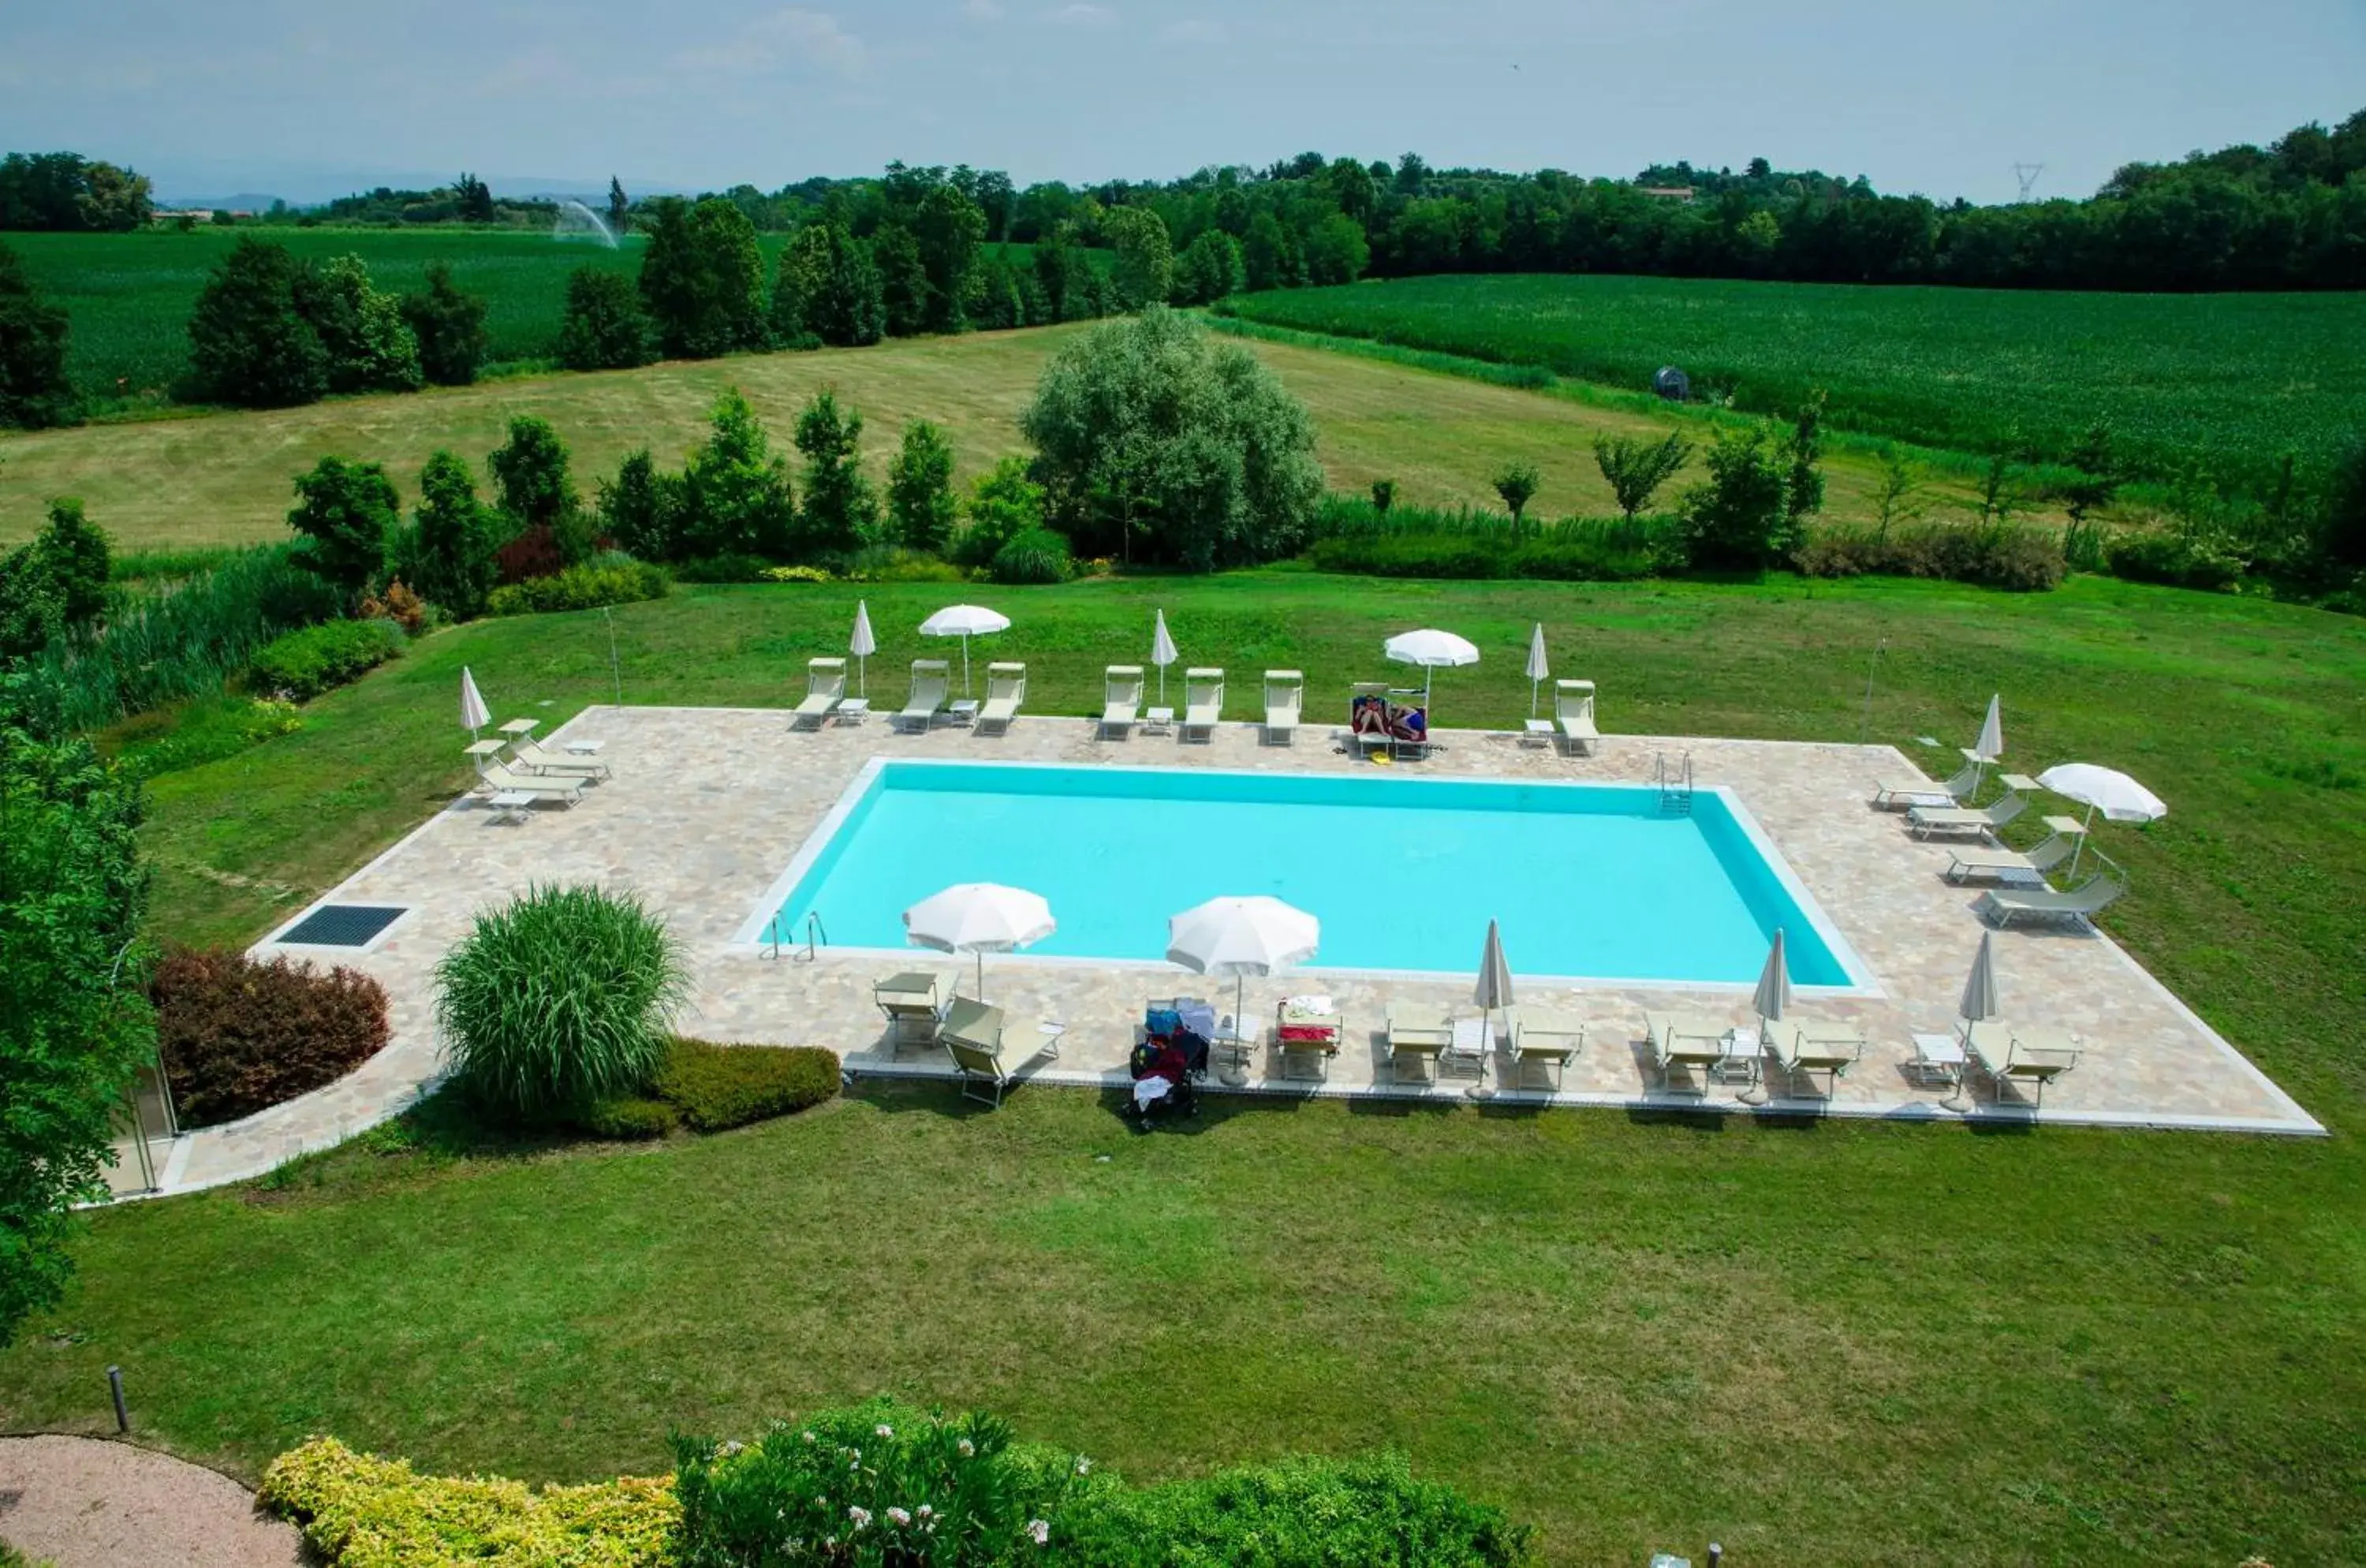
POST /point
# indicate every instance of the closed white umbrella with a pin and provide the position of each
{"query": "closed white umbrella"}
(1432, 649)
(1240, 936)
(1990, 745)
(979, 917)
(473, 716)
(2119, 797)
(1773, 995)
(1978, 1004)
(1537, 672)
(863, 645)
(964, 621)
(1492, 991)
(1163, 652)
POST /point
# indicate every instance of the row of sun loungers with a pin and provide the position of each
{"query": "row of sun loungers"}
(2024, 892)
(518, 771)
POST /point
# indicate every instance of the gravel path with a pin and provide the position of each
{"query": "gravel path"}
(89, 1503)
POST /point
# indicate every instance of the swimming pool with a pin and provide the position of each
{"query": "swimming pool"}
(1589, 881)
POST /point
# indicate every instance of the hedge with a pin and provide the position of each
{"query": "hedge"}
(303, 664)
(237, 1035)
(715, 1087)
(1477, 556)
(586, 587)
(629, 1118)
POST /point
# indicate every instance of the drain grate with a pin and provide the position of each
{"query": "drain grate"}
(342, 925)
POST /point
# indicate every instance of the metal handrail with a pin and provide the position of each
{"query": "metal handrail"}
(816, 934)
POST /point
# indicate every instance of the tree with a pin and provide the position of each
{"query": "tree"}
(1384, 495)
(474, 199)
(1894, 502)
(840, 513)
(647, 513)
(76, 555)
(1733, 519)
(849, 310)
(1150, 429)
(2090, 490)
(1143, 269)
(370, 346)
(74, 1025)
(2341, 535)
(449, 326)
(948, 228)
(1337, 251)
(1265, 255)
(114, 200)
(346, 511)
(450, 556)
(703, 279)
(1635, 468)
(620, 208)
(605, 327)
(248, 341)
(1516, 483)
(1003, 504)
(531, 480)
(34, 389)
(1803, 482)
(797, 287)
(902, 280)
(2000, 496)
(920, 489)
(736, 494)
(31, 614)
(1208, 268)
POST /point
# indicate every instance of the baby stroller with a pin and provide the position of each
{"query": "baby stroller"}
(1165, 1066)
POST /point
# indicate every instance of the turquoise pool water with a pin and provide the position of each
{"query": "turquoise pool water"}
(1588, 880)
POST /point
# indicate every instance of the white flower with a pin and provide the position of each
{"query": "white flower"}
(968, 1449)
(1041, 1530)
(809, 1436)
(885, 1430)
(926, 1511)
(860, 1517)
(734, 1446)
(1084, 1465)
(899, 1515)
(821, 1502)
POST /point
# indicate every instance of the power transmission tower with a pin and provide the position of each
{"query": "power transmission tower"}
(2027, 174)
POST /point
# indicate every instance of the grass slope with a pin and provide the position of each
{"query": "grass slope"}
(226, 478)
(2232, 380)
(1822, 1342)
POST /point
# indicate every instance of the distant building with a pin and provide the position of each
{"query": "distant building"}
(1669, 192)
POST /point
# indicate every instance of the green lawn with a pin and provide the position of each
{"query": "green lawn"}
(1817, 1343)
(2230, 379)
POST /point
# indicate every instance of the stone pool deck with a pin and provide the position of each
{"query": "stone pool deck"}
(705, 855)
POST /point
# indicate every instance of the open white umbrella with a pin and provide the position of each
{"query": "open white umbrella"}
(1240, 936)
(2119, 797)
(1432, 649)
(473, 716)
(1163, 652)
(1537, 672)
(979, 917)
(1990, 745)
(863, 645)
(1773, 994)
(1978, 1004)
(964, 621)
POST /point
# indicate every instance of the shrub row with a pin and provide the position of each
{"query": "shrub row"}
(712, 1087)
(2172, 558)
(2021, 559)
(303, 664)
(1476, 556)
(586, 587)
(237, 1035)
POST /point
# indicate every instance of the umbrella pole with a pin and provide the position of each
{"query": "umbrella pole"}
(966, 664)
(1532, 697)
(2079, 849)
(981, 974)
(1240, 991)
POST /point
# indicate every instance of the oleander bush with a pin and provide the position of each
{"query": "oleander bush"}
(585, 587)
(237, 1035)
(358, 1511)
(559, 999)
(303, 664)
(715, 1087)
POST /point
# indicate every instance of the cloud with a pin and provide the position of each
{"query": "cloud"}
(791, 36)
(1193, 29)
(1081, 13)
(984, 10)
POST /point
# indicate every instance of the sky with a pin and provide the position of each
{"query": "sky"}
(307, 100)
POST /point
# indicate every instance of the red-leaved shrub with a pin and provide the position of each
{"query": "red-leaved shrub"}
(237, 1035)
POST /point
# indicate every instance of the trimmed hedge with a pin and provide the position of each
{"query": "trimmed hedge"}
(586, 587)
(237, 1035)
(358, 1511)
(629, 1118)
(2172, 560)
(1477, 556)
(305, 663)
(717, 1087)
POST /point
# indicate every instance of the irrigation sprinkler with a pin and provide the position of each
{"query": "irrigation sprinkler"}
(1865, 724)
(114, 1387)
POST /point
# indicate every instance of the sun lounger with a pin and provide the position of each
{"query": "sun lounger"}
(908, 1001)
(2003, 864)
(931, 678)
(1417, 1044)
(530, 755)
(1700, 1044)
(1284, 696)
(1898, 794)
(1573, 714)
(1307, 1032)
(972, 1033)
(1807, 1049)
(2012, 1055)
(2004, 904)
(825, 689)
(1926, 821)
(499, 779)
(1368, 718)
(1544, 1042)
(1120, 697)
(1203, 701)
(1006, 688)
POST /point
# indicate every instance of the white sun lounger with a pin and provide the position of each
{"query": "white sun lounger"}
(825, 689)
(2004, 865)
(931, 679)
(1006, 688)
(1121, 698)
(529, 754)
(1203, 700)
(1899, 795)
(499, 779)
(2003, 905)
(1545, 1041)
(2010, 1054)
(1285, 697)
(1926, 821)
(1573, 714)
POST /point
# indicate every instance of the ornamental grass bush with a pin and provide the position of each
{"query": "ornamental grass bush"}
(715, 1087)
(557, 1000)
(303, 664)
(237, 1035)
(585, 587)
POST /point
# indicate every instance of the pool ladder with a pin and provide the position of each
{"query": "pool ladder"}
(1674, 785)
(816, 937)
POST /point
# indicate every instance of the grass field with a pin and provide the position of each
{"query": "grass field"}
(1817, 1343)
(2232, 380)
(128, 296)
(226, 478)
